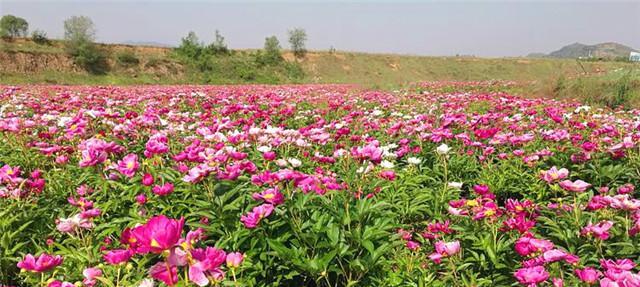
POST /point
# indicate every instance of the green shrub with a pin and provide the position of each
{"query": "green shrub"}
(86, 55)
(127, 59)
(39, 37)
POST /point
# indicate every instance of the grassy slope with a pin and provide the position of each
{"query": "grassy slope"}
(369, 70)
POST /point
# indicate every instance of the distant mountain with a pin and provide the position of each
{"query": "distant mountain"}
(150, 43)
(578, 50)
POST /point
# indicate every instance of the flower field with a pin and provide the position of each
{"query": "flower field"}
(441, 184)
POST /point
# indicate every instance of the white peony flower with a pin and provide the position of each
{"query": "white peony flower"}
(443, 149)
(387, 164)
(414, 160)
(294, 162)
(454, 184)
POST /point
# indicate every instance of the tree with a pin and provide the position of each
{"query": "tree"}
(190, 46)
(39, 37)
(219, 46)
(12, 26)
(80, 33)
(79, 29)
(272, 50)
(297, 39)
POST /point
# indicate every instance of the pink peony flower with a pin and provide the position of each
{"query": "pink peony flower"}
(129, 165)
(600, 230)
(234, 259)
(271, 195)
(253, 218)
(554, 174)
(163, 190)
(588, 275)
(158, 234)
(531, 275)
(42, 263)
(117, 256)
(574, 186)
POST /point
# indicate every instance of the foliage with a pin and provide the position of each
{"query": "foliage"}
(79, 33)
(271, 54)
(127, 58)
(12, 26)
(40, 37)
(314, 185)
(218, 46)
(297, 40)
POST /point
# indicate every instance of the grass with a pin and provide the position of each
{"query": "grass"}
(599, 82)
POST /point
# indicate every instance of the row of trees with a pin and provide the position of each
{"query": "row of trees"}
(12, 27)
(79, 36)
(192, 47)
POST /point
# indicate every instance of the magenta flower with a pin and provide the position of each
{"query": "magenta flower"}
(9, 174)
(574, 186)
(412, 245)
(117, 256)
(527, 245)
(234, 259)
(129, 165)
(157, 144)
(58, 283)
(42, 263)
(158, 234)
(90, 275)
(163, 190)
(554, 174)
(271, 195)
(531, 275)
(389, 175)
(207, 261)
(588, 275)
(164, 272)
(147, 179)
(253, 218)
(600, 230)
(448, 248)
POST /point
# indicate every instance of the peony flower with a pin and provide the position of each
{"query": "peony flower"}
(128, 165)
(164, 272)
(271, 195)
(158, 234)
(163, 190)
(600, 230)
(207, 262)
(588, 275)
(117, 256)
(448, 248)
(554, 174)
(90, 275)
(234, 259)
(443, 149)
(531, 275)
(147, 179)
(146, 283)
(42, 263)
(253, 218)
(574, 186)
(412, 245)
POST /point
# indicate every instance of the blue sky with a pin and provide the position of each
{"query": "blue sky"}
(491, 29)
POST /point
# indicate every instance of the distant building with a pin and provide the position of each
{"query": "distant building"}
(634, 57)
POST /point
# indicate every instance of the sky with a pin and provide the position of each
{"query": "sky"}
(436, 28)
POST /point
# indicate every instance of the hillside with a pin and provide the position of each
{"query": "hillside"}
(23, 61)
(603, 50)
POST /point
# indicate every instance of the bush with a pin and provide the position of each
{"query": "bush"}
(39, 37)
(127, 58)
(297, 39)
(12, 26)
(86, 55)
